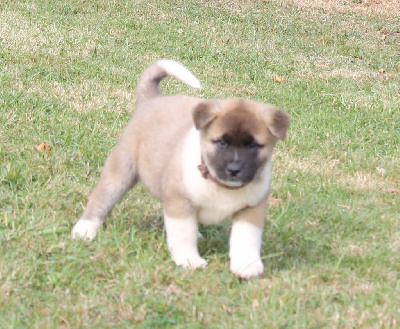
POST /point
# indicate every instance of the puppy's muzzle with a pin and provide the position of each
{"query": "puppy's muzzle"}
(233, 170)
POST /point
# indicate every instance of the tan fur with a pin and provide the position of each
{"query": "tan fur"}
(153, 148)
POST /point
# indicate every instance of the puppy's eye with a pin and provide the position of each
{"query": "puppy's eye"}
(221, 143)
(253, 145)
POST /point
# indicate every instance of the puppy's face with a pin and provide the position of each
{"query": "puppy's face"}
(238, 138)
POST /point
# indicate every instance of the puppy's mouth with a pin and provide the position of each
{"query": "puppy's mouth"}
(232, 175)
(208, 173)
(231, 183)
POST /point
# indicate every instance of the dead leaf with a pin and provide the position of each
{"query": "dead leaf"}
(382, 71)
(221, 42)
(43, 146)
(393, 190)
(273, 202)
(278, 79)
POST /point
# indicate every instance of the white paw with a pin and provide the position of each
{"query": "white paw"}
(247, 270)
(85, 229)
(190, 261)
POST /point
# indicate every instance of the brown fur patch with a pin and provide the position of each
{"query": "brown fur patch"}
(240, 122)
(277, 121)
(204, 113)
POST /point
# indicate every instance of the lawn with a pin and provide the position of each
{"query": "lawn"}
(68, 71)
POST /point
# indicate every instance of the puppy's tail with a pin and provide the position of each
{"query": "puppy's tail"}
(147, 87)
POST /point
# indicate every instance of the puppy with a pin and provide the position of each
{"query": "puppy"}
(205, 160)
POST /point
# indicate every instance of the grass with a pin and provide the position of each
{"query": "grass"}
(68, 70)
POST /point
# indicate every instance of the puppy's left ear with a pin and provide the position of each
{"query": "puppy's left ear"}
(204, 113)
(277, 121)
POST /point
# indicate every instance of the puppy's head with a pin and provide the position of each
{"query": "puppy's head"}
(238, 137)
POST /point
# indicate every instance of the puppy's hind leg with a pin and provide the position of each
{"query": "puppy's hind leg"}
(118, 176)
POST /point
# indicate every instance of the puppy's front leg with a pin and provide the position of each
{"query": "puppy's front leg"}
(245, 241)
(118, 176)
(182, 235)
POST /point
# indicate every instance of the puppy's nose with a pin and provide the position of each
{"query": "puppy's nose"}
(233, 169)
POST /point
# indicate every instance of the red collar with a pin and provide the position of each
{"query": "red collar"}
(205, 172)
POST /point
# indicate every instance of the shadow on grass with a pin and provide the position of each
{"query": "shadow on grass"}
(307, 229)
(284, 246)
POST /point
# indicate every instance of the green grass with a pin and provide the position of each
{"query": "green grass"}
(68, 70)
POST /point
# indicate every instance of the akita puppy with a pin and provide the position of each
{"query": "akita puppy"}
(205, 160)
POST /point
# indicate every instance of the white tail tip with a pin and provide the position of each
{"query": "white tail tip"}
(180, 72)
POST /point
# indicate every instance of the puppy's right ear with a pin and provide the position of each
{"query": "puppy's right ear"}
(204, 113)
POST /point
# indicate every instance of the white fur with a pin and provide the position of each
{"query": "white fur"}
(85, 228)
(244, 249)
(182, 235)
(180, 72)
(216, 203)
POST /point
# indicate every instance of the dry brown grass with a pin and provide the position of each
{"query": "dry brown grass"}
(330, 169)
(83, 96)
(389, 8)
(382, 8)
(17, 33)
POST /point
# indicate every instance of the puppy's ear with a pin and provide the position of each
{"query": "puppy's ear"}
(277, 121)
(204, 113)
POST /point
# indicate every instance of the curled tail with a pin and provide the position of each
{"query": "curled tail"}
(147, 87)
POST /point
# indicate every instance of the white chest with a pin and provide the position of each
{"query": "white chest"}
(217, 204)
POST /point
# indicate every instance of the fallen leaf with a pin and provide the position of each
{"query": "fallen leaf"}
(221, 42)
(382, 71)
(43, 146)
(278, 79)
(393, 190)
(273, 202)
